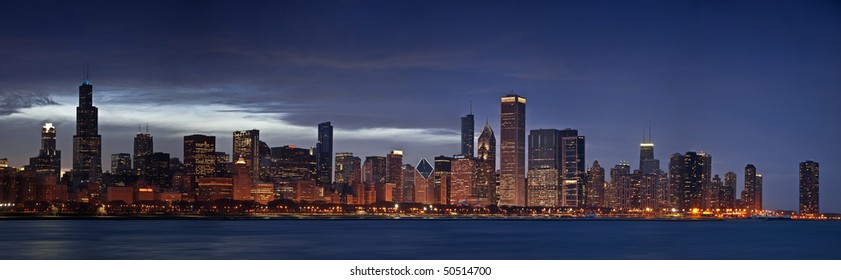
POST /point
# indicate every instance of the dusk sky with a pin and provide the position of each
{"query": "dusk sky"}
(746, 81)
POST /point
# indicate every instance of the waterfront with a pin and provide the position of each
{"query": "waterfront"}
(417, 239)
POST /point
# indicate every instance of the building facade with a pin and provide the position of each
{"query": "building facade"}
(809, 188)
(512, 170)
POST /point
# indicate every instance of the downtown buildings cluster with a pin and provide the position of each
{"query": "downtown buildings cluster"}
(556, 177)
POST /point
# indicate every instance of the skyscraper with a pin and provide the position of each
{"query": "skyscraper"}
(199, 158)
(677, 174)
(394, 174)
(618, 194)
(512, 177)
(467, 130)
(348, 169)
(573, 167)
(87, 143)
(241, 181)
(545, 152)
(463, 179)
(324, 155)
(696, 166)
(143, 147)
(751, 193)
(809, 188)
(424, 183)
(247, 146)
(727, 194)
(374, 170)
(715, 193)
(408, 183)
(485, 186)
(48, 160)
(121, 164)
(158, 172)
(288, 165)
(647, 162)
(595, 196)
(442, 179)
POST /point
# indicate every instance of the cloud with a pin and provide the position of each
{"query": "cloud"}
(176, 120)
(13, 101)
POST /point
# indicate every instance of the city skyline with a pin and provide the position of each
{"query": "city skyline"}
(740, 108)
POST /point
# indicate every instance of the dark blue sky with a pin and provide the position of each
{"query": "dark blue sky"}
(747, 81)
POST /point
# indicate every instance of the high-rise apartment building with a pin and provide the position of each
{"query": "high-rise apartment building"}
(809, 188)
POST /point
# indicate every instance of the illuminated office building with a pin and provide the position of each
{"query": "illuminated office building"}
(48, 161)
(573, 168)
(463, 176)
(443, 176)
(348, 169)
(409, 183)
(223, 164)
(648, 164)
(143, 147)
(374, 169)
(595, 189)
(618, 194)
(199, 158)
(121, 164)
(247, 146)
(290, 164)
(512, 170)
(242, 181)
(809, 188)
(324, 155)
(394, 174)
(544, 175)
(87, 143)
(424, 183)
(485, 186)
(214, 188)
(467, 130)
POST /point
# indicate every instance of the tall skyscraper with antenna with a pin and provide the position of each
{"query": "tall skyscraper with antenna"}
(648, 164)
(87, 143)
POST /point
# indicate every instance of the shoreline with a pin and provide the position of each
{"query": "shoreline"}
(378, 217)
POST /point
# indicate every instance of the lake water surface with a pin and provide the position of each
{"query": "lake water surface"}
(417, 239)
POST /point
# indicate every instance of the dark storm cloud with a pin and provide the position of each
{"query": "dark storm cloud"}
(12, 101)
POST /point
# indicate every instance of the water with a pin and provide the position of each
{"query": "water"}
(416, 239)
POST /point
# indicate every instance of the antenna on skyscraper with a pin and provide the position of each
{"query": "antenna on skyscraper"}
(147, 128)
(471, 107)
